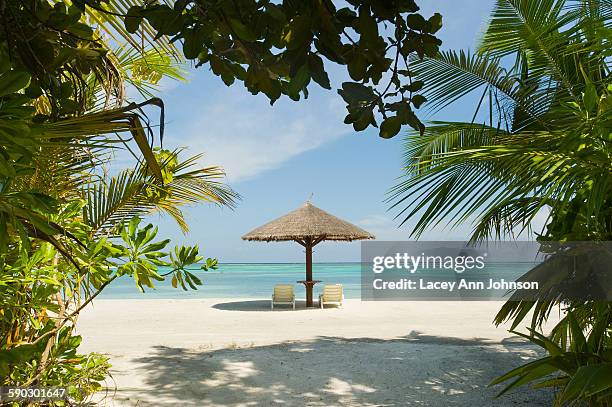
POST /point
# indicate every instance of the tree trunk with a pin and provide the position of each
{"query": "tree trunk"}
(309, 285)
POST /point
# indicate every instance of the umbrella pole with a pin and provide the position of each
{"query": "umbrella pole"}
(309, 285)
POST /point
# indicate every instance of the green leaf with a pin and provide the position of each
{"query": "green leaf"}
(579, 343)
(416, 22)
(357, 66)
(346, 16)
(366, 25)
(132, 225)
(363, 119)
(531, 373)
(418, 100)
(435, 23)
(414, 86)
(12, 81)
(276, 12)
(81, 30)
(354, 92)
(211, 264)
(587, 382)
(154, 247)
(298, 33)
(590, 97)
(242, 31)
(193, 41)
(133, 19)
(300, 80)
(217, 65)
(390, 127)
(195, 278)
(317, 71)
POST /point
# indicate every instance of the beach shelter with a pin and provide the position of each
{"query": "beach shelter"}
(308, 226)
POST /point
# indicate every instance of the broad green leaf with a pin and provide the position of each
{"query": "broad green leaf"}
(243, 32)
(418, 100)
(132, 225)
(356, 92)
(416, 22)
(12, 81)
(299, 80)
(317, 71)
(390, 127)
(193, 43)
(435, 23)
(133, 20)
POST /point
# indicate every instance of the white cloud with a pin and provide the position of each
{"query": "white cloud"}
(384, 228)
(247, 136)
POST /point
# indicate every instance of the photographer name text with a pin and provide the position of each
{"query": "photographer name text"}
(450, 286)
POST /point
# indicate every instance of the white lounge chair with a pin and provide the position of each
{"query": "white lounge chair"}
(283, 294)
(332, 295)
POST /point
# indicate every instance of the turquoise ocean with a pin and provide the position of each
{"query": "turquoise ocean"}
(255, 280)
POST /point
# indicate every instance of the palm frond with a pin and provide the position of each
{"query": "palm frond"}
(110, 19)
(111, 121)
(135, 192)
(473, 180)
(442, 137)
(59, 170)
(509, 220)
(596, 11)
(530, 29)
(452, 75)
(142, 71)
(518, 25)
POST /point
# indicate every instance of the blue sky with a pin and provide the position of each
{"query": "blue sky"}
(275, 157)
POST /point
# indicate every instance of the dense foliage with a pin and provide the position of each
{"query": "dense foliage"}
(67, 227)
(278, 48)
(70, 222)
(544, 147)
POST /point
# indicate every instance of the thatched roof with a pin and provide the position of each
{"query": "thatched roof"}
(307, 221)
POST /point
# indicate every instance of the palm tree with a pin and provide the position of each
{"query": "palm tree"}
(545, 139)
(60, 154)
(60, 212)
(135, 192)
(544, 144)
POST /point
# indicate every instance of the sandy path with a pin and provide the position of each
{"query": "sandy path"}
(238, 353)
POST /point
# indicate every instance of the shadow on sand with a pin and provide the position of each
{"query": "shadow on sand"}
(257, 305)
(414, 370)
(263, 305)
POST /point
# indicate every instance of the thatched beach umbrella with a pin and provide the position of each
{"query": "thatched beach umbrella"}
(308, 226)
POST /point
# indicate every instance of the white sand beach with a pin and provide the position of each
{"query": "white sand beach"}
(239, 353)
